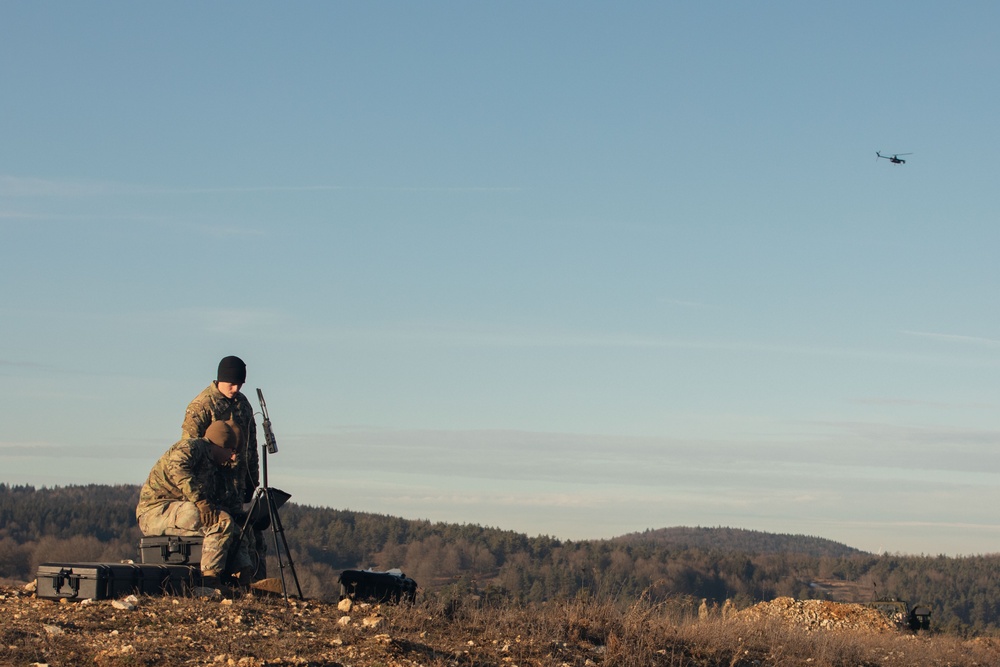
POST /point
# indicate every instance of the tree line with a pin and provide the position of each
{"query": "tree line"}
(97, 523)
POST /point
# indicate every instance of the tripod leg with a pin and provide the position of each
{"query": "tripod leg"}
(258, 553)
(272, 514)
(278, 529)
(254, 504)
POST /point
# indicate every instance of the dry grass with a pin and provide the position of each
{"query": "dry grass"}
(435, 633)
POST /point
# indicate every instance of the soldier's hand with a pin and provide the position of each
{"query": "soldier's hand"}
(209, 515)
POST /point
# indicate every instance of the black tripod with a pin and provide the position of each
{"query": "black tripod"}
(272, 499)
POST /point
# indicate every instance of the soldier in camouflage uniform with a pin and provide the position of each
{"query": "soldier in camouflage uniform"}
(185, 494)
(223, 401)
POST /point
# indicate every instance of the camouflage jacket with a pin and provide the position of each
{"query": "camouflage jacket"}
(186, 472)
(209, 406)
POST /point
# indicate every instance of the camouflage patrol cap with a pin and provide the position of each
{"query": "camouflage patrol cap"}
(221, 434)
(237, 433)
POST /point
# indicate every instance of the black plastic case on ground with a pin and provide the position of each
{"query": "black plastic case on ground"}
(171, 550)
(169, 579)
(391, 586)
(104, 581)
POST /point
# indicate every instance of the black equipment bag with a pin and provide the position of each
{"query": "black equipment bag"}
(105, 581)
(171, 549)
(370, 585)
(260, 514)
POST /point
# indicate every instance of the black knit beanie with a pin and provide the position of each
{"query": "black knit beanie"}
(232, 370)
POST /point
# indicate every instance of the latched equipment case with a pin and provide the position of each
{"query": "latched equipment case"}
(370, 585)
(104, 581)
(171, 550)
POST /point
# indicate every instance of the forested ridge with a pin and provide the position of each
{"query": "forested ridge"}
(97, 523)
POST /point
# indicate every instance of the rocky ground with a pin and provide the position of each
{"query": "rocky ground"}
(250, 631)
(265, 629)
(821, 615)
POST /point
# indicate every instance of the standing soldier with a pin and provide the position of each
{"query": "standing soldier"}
(183, 496)
(223, 401)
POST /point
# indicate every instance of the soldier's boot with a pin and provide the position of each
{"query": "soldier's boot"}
(213, 584)
(244, 578)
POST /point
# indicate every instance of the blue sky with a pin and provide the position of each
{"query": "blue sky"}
(565, 268)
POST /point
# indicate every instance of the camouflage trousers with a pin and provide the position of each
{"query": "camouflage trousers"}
(221, 543)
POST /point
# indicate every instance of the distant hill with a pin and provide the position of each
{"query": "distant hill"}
(739, 540)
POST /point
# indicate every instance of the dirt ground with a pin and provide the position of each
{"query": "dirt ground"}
(248, 632)
(266, 629)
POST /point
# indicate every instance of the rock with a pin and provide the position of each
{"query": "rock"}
(267, 586)
(345, 604)
(206, 592)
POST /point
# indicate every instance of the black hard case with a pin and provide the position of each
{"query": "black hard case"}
(174, 579)
(105, 581)
(171, 549)
(370, 585)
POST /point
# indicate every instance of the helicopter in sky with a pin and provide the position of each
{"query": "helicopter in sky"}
(895, 159)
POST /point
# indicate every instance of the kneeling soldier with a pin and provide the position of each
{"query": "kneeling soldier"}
(186, 494)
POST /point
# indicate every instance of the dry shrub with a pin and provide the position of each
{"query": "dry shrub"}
(644, 633)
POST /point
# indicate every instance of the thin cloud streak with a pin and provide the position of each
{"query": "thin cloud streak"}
(954, 338)
(840, 452)
(83, 217)
(7, 363)
(456, 335)
(919, 403)
(229, 321)
(685, 304)
(954, 525)
(328, 188)
(17, 186)
(231, 232)
(216, 231)
(898, 401)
